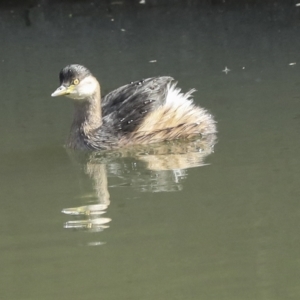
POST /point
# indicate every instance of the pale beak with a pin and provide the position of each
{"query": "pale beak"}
(60, 91)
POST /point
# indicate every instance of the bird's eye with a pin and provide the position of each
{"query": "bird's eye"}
(75, 81)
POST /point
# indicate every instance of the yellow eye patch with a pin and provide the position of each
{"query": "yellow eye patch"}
(75, 81)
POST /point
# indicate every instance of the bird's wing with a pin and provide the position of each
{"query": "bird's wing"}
(125, 108)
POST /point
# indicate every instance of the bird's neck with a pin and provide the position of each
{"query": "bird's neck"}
(87, 118)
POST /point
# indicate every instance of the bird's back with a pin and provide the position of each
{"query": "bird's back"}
(151, 110)
(125, 108)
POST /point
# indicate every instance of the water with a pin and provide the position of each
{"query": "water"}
(225, 229)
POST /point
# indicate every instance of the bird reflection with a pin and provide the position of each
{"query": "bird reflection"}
(149, 168)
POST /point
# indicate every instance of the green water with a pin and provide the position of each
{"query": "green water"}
(226, 230)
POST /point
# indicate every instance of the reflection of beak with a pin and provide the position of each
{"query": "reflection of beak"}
(62, 90)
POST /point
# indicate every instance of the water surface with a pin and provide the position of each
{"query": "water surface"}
(225, 226)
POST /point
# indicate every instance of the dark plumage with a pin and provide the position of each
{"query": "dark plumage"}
(68, 74)
(126, 107)
(146, 111)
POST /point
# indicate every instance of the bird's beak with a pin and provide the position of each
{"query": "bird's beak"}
(62, 90)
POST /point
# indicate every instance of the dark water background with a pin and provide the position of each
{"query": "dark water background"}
(226, 230)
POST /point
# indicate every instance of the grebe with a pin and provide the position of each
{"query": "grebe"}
(147, 111)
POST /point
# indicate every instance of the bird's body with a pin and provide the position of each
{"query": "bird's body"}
(147, 111)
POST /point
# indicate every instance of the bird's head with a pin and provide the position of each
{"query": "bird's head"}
(76, 82)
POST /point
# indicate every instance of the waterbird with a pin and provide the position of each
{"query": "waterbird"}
(147, 111)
